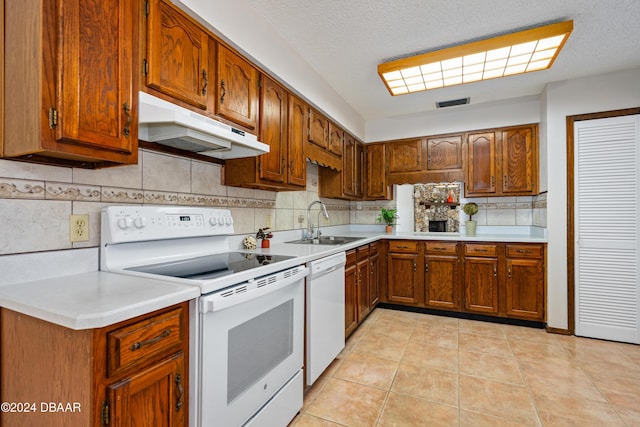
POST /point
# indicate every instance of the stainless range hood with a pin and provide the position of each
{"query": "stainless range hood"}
(168, 124)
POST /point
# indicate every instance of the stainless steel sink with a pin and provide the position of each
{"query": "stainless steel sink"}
(327, 240)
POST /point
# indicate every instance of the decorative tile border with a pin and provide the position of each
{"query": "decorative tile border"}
(74, 192)
(22, 189)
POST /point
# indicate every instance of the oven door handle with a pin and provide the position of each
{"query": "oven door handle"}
(250, 290)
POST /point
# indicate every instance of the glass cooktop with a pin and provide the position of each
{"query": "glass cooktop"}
(211, 266)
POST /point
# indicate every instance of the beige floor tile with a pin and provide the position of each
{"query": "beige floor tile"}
(492, 367)
(431, 320)
(502, 400)
(530, 351)
(348, 403)
(381, 346)
(475, 419)
(482, 328)
(530, 334)
(426, 383)
(397, 316)
(484, 344)
(620, 391)
(436, 335)
(368, 370)
(549, 378)
(431, 356)
(629, 415)
(565, 410)
(389, 328)
(407, 411)
(304, 420)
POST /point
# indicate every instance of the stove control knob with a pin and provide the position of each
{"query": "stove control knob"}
(212, 221)
(139, 222)
(228, 220)
(124, 223)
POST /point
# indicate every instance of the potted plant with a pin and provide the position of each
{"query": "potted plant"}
(388, 216)
(470, 209)
(265, 236)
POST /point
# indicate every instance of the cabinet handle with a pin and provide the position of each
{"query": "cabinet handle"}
(284, 165)
(138, 345)
(509, 272)
(127, 112)
(493, 181)
(504, 182)
(292, 166)
(224, 91)
(495, 272)
(402, 247)
(205, 79)
(439, 249)
(426, 267)
(415, 266)
(523, 251)
(180, 392)
(481, 250)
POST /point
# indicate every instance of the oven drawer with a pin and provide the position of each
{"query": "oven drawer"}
(135, 344)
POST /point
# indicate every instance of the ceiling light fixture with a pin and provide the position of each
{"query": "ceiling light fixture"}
(515, 53)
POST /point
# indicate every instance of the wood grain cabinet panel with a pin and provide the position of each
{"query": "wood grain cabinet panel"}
(336, 139)
(273, 131)
(404, 156)
(350, 294)
(297, 137)
(442, 275)
(481, 285)
(318, 129)
(177, 57)
(237, 89)
(524, 281)
(481, 178)
(403, 273)
(519, 161)
(375, 184)
(79, 106)
(444, 153)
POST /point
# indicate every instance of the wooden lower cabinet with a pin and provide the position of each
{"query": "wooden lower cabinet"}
(481, 285)
(361, 281)
(403, 275)
(524, 282)
(442, 275)
(131, 373)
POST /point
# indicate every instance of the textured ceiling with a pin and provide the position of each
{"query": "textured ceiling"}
(345, 40)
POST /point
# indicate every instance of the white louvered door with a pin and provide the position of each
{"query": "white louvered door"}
(607, 207)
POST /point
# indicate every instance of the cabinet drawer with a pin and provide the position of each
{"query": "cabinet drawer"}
(135, 344)
(448, 248)
(524, 251)
(351, 257)
(373, 248)
(403, 246)
(474, 249)
(362, 252)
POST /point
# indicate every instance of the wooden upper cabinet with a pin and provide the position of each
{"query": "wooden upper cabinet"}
(177, 57)
(336, 139)
(297, 136)
(273, 130)
(237, 89)
(350, 169)
(359, 170)
(405, 155)
(444, 153)
(519, 161)
(375, 175)
(318, 129)
(481, 176)
(78, 103)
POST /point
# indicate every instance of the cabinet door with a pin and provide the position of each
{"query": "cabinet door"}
(177, 55)
(297, 137)
(359, 169)
(349, 166)
(481, 175)
(153, 397)
(96, 95)
(273, 130)
(318, 129)
(364, 300)
(374, 281)
(481, 285)
(444, 153)
(336, 139)
(375, 182)
(519, 161)
(404, 156)
(402, 278)
(524, 289)
(237, 97)
(442, 281)
(350, 299)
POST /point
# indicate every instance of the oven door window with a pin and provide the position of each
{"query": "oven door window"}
(257, 346)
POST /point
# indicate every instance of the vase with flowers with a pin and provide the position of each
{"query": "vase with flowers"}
(264, 235)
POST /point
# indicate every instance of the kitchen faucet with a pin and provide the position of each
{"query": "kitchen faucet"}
(309, 225)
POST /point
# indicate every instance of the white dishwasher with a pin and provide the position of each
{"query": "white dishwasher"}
(325, 313)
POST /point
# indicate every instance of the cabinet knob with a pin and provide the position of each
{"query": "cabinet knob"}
(426, 267)
(415, 266)
(509, 272)
(495, 271)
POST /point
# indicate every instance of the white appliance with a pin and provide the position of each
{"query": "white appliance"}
(246, 328)
(325, 313)
(169, 124)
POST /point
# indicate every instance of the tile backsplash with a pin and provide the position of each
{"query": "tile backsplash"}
(36, 200)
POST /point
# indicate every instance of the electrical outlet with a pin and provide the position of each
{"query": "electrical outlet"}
(79, 228)
(300, 219)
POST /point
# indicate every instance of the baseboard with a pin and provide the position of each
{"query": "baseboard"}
(558, 331)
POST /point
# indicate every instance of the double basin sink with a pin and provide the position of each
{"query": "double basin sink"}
(327, 240)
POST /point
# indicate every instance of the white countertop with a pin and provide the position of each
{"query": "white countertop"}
(94, 299)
